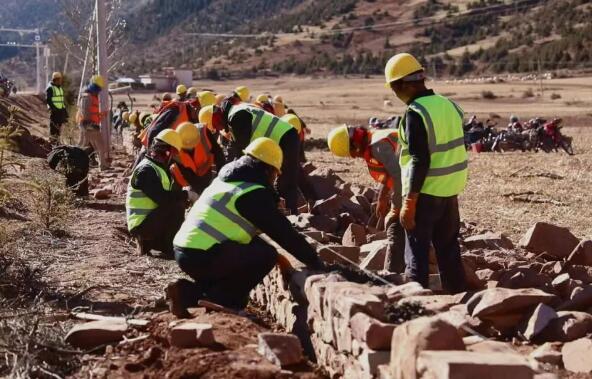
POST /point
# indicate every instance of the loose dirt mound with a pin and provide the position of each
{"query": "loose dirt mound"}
(29, 117)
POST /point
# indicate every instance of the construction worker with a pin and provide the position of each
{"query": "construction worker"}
(304, 184)
(379, 149)
(191, 93)
(243, 123)
(218, 244)
(206, 98)
(90, 116)
(434, 167)
(240, 94)
(56, 102)
(194, 165)
(154, 208)
(279, 107)
(219, 99)
(263, 102)
(173, 114)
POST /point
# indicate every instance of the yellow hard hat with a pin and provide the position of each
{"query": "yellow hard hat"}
(98, 80)
(262, 99)
(125, 116)
(133, 117)
(293, 120)
(56, 75)
(189, 135)
(278, 99)
(205, 115)
(338, 141)
(206, 98)
(399, 66)
(171, 138)
(181, 89)
(267, 151)
(243, 92)
(219, 99)
(192, 91)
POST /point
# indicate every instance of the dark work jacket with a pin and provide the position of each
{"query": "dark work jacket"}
(147, 180)
(260, 207)
(417, 138)
(163, 121)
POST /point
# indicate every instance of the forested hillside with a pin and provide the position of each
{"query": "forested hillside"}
(218, 38)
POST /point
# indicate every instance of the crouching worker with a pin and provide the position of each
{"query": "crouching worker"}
(379, 148)
(218, 245)
(154, 208)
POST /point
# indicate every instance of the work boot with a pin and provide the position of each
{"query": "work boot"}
(174, 294)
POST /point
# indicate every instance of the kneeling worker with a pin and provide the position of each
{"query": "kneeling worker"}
(218, 245)
(379, 149)
(154, 210)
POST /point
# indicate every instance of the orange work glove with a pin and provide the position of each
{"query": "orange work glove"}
(407, 216)
(391, 217)
(284, 265)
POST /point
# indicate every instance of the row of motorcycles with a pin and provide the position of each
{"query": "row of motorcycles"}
(533, 135)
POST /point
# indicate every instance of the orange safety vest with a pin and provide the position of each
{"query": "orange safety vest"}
(93, 111)
(181, 118)
(382, 148)
(200, 162)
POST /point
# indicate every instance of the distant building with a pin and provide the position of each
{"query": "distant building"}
(168, 79)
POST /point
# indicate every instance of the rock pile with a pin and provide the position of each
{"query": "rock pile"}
(537, 294)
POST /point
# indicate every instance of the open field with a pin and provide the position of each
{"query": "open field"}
(564, 199)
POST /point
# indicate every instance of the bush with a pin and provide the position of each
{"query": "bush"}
(555, 96)
(488, 95)
(51, 201)
(528, 93)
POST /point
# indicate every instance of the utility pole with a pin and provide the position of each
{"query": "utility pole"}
(540, 75)
(103, 71)
(38, 68)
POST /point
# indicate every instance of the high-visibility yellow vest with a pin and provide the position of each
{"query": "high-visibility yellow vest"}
(214, 218)
(57, 97)
(137, 205)
(264, 124)
(443, 120)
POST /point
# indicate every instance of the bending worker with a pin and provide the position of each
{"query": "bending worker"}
(243, 123)
(154, 208)
(218, 245)
(200, 151)
(434, 166)
(380, 151)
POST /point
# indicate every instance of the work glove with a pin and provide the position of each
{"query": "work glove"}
(391, 217)
(407, 216)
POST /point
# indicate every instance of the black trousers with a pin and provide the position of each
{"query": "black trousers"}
(395, 252)
(159, 228)
(437, 221)
(227, 272)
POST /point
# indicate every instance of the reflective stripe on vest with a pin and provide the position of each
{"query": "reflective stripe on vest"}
(138, 206)
(382, 158)
(57, 97)
(264, 124)
(214, 218)
(200, 163)
(443, 120)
